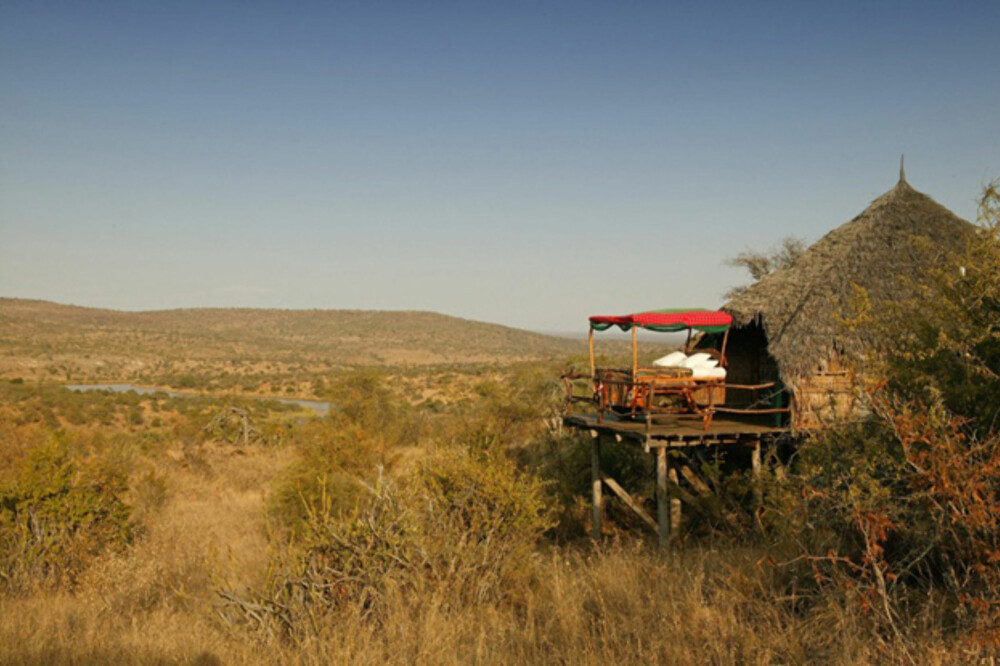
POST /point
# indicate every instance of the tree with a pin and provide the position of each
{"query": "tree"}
(949, 339)
(762, 264)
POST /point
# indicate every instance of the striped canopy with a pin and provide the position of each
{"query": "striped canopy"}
(667, 321)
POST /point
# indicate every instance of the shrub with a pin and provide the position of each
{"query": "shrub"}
(948, 343)
(893, 510)
(56, 514)
(324, 478)
(463, 531)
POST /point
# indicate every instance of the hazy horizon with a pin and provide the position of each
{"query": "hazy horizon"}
(522, 164)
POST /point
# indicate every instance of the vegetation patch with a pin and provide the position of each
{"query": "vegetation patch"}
(56, 515)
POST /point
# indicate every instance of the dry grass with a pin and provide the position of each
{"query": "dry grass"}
(621, 605)
(202, 507)
(154, 603)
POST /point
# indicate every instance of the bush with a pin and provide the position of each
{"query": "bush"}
(908, 503)
(56, 514)
(894, 511)
(462, 532)
(324, 478)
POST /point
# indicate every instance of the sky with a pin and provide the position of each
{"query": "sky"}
(525, 163)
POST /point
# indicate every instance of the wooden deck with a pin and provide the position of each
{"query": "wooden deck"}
(675, 431)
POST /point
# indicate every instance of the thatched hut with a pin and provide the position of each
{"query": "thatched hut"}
(791, 325)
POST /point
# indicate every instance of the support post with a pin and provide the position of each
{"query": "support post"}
(662, 501)
(755, 465)
(635, 352)
(590, 346)
(675, 507)
(595, 478)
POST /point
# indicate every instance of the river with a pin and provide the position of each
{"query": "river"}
(321, 408)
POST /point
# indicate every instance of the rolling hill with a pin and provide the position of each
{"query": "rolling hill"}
(40, 338)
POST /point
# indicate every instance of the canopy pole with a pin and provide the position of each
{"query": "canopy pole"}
(687, 344)
(635, 353)
(590, 344)
(725, 339)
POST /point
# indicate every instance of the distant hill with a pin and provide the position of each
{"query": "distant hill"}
(337, 337)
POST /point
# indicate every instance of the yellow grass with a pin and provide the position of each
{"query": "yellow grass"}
(202, 509)
(620, 603)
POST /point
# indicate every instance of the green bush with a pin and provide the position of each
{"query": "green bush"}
(56, 514)
(324, 477)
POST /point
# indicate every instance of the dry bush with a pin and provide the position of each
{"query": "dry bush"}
(330, 457)
(899, 519)
(461, 532)
(618, 604)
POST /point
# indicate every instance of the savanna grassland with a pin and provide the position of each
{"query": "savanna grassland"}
(437, 515)
(386, 533)
(259, 352)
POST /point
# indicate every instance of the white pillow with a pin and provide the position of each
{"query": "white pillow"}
(708, 373)
(710, 363)
(671, 360)
(695, 360)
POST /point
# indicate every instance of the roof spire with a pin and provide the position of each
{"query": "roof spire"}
(902, 170)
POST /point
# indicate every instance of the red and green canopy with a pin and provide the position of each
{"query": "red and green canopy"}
(666, 321)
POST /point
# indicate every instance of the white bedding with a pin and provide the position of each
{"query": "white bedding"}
(708, 373)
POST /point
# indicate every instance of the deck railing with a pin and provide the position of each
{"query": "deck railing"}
(614, 391)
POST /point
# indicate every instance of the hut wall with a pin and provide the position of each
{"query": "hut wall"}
(831, 395)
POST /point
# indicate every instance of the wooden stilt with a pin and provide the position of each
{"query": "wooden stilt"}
(595, 477)
(662, 501)
(755, 465)
(675, 508)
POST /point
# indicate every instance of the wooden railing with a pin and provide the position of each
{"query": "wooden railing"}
(615, 391)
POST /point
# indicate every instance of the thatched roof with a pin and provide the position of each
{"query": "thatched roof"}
(884, 250)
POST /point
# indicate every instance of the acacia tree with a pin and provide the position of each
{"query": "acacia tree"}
(762, 264)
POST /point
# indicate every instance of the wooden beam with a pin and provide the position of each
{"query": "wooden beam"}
(675, 507)
(755, 465)
(695, 481)
(662, 506)
(595, 479)
(590, 344)
(629, 501)
(635, 353)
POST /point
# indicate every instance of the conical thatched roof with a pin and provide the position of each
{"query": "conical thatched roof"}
(884, 250)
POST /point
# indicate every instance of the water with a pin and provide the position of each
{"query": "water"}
(321, 408)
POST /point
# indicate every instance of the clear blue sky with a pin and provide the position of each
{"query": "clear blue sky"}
(524, 163)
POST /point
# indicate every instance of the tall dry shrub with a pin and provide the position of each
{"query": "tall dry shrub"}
(890, 513)
(461, 532)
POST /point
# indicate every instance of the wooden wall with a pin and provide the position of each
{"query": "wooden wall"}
(832, 395)
(747, 357)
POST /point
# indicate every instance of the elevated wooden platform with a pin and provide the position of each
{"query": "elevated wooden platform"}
(675, 431)
(669, 438)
